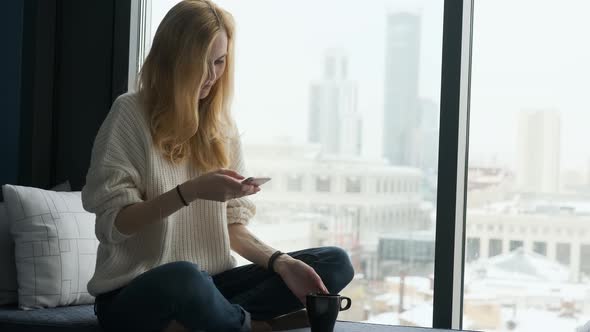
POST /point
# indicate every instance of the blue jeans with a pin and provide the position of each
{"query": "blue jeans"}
(226, 302)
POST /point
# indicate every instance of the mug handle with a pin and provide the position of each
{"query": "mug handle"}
(347, 306)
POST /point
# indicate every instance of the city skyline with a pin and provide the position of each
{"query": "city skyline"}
(495, 99)
(293, 58)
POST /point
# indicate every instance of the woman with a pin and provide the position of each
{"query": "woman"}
(165, 184)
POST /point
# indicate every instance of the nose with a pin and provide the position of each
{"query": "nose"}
(212, 76)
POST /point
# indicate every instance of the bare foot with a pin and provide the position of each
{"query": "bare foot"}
(293, 320)
(260, 326)
(175, 326)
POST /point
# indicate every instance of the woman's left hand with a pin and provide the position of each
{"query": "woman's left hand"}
(299, 277)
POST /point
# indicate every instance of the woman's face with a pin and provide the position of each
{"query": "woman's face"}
(217, 62)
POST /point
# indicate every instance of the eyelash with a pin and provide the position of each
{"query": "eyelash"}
(219, 62)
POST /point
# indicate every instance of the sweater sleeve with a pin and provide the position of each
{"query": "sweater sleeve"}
(114, 179)
(239, 210)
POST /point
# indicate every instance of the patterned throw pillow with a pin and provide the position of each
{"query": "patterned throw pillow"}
(54, 246)
(8, 285)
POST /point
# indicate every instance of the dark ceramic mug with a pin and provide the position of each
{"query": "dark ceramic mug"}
(323, 309)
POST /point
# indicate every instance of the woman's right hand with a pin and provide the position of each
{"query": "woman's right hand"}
(220, 185)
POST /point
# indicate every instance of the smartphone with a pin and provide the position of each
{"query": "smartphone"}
(258, 181)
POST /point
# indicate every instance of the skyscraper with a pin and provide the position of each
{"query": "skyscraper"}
(538, 151)
(424, 138)
(334, 119)
(401, 113)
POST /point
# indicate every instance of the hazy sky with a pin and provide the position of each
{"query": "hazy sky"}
(527, 54)
(530, 55)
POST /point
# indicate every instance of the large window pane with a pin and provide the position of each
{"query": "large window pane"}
(338, 101)
(529, 170)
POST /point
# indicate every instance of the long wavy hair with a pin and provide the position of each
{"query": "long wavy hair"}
(182, 126)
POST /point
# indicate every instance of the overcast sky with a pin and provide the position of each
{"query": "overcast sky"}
(531, 54)
(527, 54)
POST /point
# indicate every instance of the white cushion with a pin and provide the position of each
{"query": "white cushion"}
(54, 246)
(8, 284)
(7, 266)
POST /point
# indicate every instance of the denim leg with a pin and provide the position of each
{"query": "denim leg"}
(333, 265)
(175, 291)
(266, 296)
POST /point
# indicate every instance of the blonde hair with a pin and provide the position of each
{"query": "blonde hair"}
(172, 75)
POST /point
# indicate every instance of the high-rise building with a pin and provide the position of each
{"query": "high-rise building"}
(401, 111)
(335, 122)
(424, 138)
(538, 151)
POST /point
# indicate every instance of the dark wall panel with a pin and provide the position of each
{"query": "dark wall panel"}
(11, 25)
(83, 76)
(37, 90)
(74, 64)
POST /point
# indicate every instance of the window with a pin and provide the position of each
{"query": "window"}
(495, 247)
(528, 119)
(563, 253)
(295, 183)
(353, 185)
(515, 244)
(540, 248)
(350, 90)
(473, 249)
(585, 259)
(322, 184)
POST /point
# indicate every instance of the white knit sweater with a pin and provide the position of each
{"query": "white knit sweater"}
(126, 168)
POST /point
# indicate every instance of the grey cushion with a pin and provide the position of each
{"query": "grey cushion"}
(82, 319)
(68, 319)
(355, 327)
